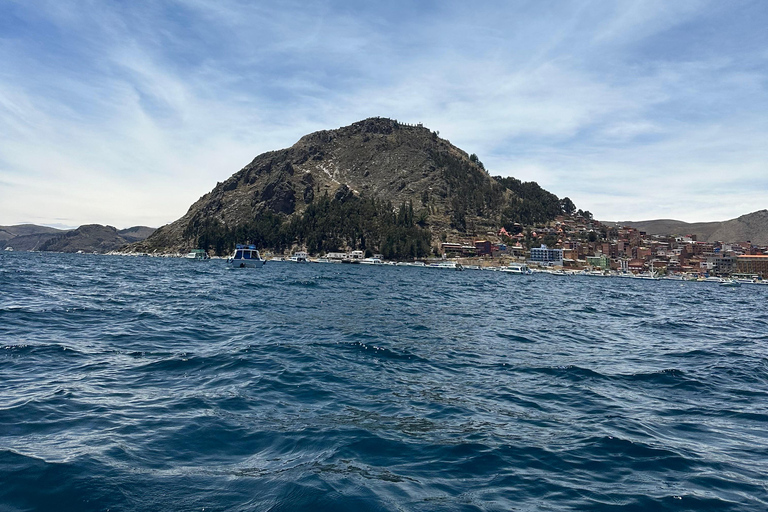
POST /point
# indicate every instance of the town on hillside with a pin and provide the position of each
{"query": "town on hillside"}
(585, 244)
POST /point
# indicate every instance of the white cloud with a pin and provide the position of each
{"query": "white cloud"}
(167, 105)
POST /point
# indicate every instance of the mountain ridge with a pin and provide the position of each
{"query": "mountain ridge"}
(751, 227)
(86, 238)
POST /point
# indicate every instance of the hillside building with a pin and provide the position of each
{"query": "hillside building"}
(546, 257)
(753, 264)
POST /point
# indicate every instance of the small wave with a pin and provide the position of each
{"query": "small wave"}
(612, 451)
(383, 352)
(43, 351)
(570, 372)
(303, 283)
(668, 377)
(515, 337)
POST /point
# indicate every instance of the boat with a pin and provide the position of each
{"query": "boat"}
(197, 254)
(446, 264)
(593, 273)
(9, 249)
(371, 261)
(299, 257)
(517, 268)
(245, 256)
(730, 283)
(650, 275)
(353, 257)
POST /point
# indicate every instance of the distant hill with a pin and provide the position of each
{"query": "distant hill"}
(89, 238)
(94, 238)
(377, 184)
(136, 233)
(26, 237)
(750, 227)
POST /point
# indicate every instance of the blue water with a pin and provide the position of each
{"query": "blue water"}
(166, 384)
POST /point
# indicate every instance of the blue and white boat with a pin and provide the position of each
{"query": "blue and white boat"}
(245, 256)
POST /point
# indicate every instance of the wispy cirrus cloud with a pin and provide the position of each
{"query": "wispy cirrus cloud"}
(127, 113)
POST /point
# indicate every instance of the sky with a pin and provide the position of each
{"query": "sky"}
(126, 112)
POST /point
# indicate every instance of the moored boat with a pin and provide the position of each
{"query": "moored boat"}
(299, 257)
(517, 268)
(197, 254)
(446, 264)
(245, 256)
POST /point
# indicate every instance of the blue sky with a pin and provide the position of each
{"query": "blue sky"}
(125, 113)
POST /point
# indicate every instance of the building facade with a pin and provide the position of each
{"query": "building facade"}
(753, 264)
(546, 257)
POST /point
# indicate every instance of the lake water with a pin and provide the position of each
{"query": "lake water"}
(167, 384)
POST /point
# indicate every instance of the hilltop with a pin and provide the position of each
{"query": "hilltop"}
(750, 227)
(367, 185)
(26, 237)
(88, 238)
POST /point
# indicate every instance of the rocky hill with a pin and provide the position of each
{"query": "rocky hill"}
(377, 159)
(750, 227)
(26, 237)
(94, 238)
(88, 238)
(135, 233)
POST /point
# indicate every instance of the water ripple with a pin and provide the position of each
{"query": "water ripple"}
(151, 384)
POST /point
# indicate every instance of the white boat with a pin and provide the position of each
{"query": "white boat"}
(197, 254)
(9, 249)
(299, 257)
(371, 261)
(354, 257)
(445, 264)
(730, 283)
(245, 256)
(517, 268)
(647, 275)
(593, 273)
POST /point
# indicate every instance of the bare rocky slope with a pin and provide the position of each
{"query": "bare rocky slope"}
(95, 238)
(750, 227)
(375, 158)
(87, 238)
(26, 237)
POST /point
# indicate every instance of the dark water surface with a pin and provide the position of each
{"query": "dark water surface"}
(166, 384)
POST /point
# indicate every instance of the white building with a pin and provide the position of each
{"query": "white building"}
(546, 257)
